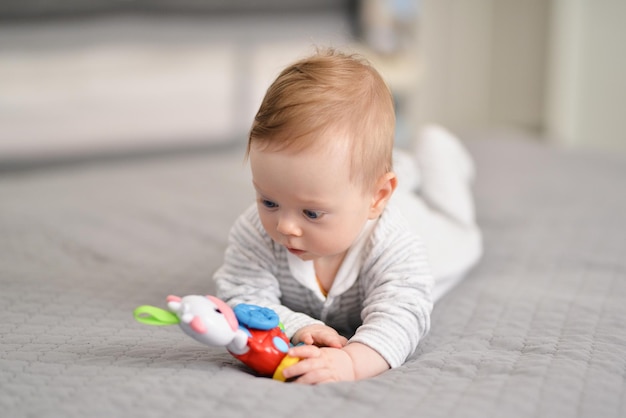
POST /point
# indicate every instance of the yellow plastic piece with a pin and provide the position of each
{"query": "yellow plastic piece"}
(286, 362)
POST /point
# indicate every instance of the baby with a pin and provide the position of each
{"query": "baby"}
(350, 253)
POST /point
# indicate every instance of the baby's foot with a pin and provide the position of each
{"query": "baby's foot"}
(438, 148)
(447, 171)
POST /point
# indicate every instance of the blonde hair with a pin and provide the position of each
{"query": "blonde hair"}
(330, 91)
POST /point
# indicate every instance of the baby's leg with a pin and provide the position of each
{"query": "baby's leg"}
(442, 210)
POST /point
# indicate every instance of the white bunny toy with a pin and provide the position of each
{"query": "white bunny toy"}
(251, 333)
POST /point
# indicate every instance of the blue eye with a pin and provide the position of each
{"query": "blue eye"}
(269, 204)
(312, 214)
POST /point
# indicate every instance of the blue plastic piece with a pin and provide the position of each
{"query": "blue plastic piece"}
(280, 344)
(257, 317)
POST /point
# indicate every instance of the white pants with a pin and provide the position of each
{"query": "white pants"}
(434, 194)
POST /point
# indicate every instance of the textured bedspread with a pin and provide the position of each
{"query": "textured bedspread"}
(537, 329)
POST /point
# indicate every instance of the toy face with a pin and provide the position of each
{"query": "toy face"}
(202, 319)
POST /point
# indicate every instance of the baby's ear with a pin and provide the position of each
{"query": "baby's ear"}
(385, 186)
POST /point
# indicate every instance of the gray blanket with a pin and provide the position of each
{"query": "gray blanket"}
(536, 329)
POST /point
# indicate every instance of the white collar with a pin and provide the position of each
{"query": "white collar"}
(304, 271)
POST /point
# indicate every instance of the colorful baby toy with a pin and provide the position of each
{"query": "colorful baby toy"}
(251, 333)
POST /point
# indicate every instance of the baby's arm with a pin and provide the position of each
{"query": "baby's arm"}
(367, 362)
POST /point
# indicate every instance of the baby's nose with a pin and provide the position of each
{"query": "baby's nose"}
(288, 226)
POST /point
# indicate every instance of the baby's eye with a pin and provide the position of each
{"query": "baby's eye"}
(312, 214)
(269, 204)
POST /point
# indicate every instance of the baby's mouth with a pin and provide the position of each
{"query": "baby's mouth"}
(295, 251)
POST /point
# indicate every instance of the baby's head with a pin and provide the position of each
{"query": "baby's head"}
(330, 92)
(320, 155)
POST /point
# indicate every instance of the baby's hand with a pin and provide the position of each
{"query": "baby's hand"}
(319, 335)
(320, 365)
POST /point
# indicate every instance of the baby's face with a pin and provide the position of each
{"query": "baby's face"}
(307, 202)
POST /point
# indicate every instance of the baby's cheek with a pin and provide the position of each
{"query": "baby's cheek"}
(269, 225)
(334, 242)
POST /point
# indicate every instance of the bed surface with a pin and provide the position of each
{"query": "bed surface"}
(536, 329)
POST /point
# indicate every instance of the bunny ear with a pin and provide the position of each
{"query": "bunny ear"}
(152, 315)
(174, 306)
(226, 311)
(174, 302)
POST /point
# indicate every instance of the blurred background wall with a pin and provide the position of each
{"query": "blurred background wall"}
(119, 76)
(94, 77)
(552, 67)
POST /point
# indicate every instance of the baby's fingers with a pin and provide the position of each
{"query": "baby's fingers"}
(305, 351)
(307, 339)
(335, 341)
